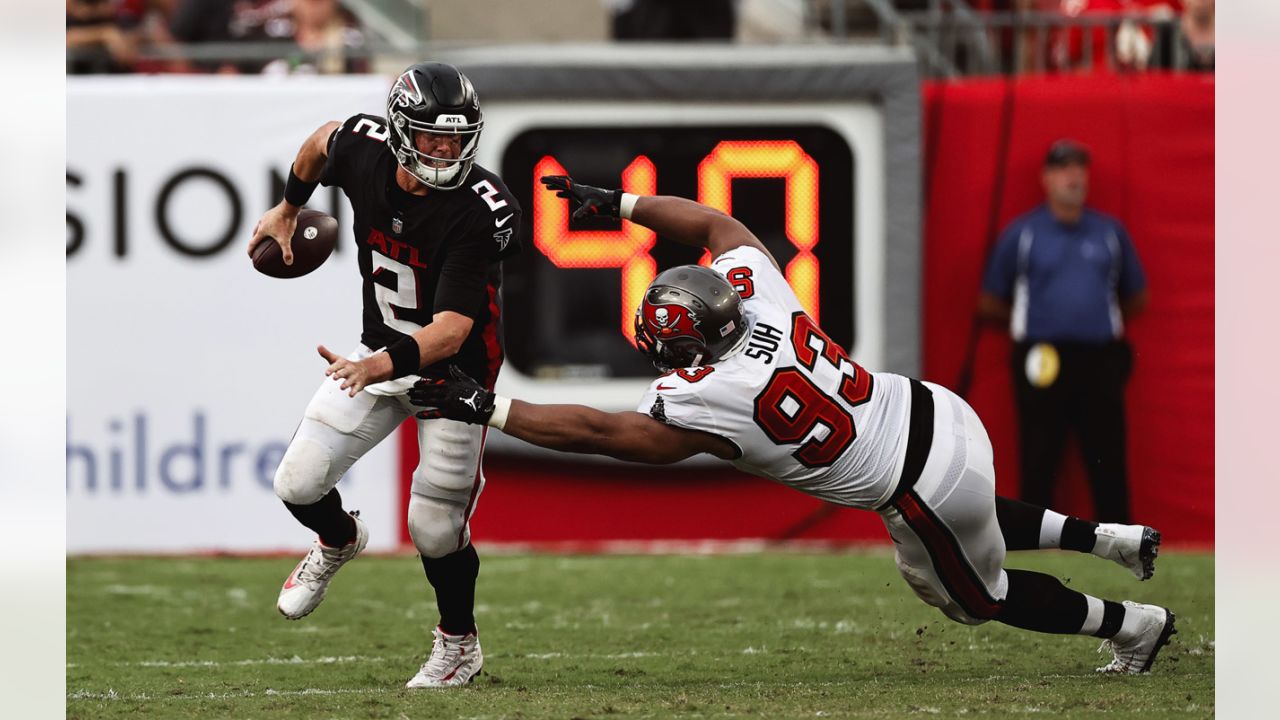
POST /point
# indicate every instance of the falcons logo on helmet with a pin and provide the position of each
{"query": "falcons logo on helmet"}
(672, 321)
(406, 91)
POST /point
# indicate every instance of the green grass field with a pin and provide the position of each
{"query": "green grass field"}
(771, 635)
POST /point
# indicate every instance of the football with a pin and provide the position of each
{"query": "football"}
(313, 242)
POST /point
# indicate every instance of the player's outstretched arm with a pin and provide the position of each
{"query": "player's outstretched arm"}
(674, 218)
(626, 435)
(691, 223)
(568, 428)
(279, 222)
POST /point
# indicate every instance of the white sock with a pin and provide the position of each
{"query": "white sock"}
(1093, 620)
(1051, 529)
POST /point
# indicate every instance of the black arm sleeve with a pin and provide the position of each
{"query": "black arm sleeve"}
(344, 144)
(333, 164)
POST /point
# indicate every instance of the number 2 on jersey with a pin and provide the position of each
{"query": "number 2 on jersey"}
(791, 406)
(405, 296)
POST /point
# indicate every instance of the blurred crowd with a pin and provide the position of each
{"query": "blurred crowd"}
(167, 36)
(323, 36)
(1114, 34)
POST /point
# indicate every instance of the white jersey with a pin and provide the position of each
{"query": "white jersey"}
(798, 409)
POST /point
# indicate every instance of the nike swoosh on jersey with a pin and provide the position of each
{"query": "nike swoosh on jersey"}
(503, 221)
(666, 387)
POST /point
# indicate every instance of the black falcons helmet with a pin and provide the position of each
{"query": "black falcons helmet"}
(437, 98)
(690, 316)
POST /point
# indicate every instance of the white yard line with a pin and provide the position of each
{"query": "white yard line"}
(141, 697)
(295, 660)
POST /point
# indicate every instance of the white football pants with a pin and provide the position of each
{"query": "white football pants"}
(948, 542)
(337, 430)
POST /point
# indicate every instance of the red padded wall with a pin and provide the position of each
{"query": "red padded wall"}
(1152, 141)
(1153, 167)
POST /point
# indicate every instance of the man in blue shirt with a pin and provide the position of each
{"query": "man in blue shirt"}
(1065, 279)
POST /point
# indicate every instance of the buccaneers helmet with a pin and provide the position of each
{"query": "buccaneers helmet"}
(434, 98)
(690, 316)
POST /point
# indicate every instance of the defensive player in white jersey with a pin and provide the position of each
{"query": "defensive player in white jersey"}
(750, 378)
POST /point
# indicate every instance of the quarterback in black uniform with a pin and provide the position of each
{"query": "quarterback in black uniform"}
(431, 227)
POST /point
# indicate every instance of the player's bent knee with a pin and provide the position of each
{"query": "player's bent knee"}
(926, 588)
(302, 477)
(435, 525)
(921, 584)
(956, 613)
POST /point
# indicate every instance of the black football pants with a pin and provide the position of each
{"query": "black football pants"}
(1087, 397)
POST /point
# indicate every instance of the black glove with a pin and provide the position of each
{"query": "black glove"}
(458, 399)
(585, 200)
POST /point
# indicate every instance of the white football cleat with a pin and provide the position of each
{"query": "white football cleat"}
(1133, 546)
(455, 660)
(305, 587)
(1135, 652)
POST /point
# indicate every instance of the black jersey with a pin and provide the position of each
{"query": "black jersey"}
(420, 255)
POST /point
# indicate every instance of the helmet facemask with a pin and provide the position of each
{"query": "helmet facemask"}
(441, 173)
(668, 355)
(690, 316)
(437, 99)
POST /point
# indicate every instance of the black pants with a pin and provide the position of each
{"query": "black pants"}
(1088, 397)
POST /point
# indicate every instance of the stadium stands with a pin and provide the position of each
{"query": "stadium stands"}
(952, 38)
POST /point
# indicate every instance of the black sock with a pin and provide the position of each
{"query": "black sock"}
(454, 579)
(1039, 602)
(1020, 525)
(1078, 534)
(327, 519)
(1112, 619)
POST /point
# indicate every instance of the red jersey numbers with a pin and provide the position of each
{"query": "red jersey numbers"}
(692, 375)
(740, 279)
(792, 407)
(809, 342)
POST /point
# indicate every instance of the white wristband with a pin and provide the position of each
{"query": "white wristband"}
(501, 406)
(627, 204)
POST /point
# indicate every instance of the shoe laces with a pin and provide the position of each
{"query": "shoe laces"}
(318, 566)
(323, 561)
(1121, 659)
(444, 656)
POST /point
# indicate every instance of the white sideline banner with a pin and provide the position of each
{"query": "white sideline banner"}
(187, 371)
